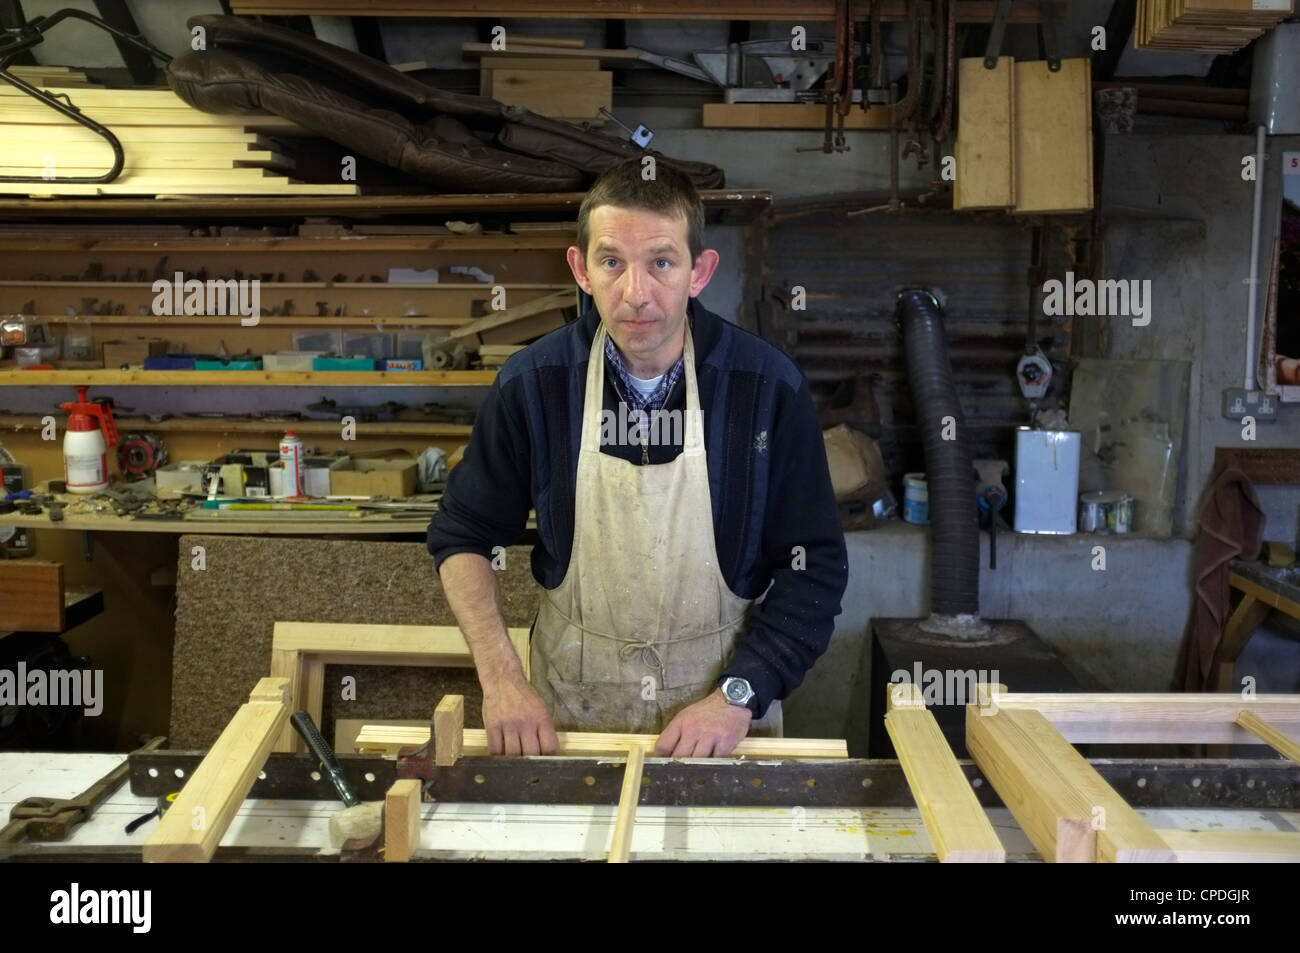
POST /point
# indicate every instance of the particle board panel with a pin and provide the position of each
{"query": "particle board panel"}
(1053, 136)
(31, 596)
(225, 615)
(985, 146)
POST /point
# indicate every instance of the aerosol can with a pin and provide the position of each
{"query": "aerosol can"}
(85, 446)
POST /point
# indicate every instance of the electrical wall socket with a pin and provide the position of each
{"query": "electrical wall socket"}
(1239, 402)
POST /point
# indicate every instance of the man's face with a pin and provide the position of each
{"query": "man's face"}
(639, 271)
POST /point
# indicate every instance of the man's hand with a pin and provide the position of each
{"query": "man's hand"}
(516, 718)
(707, 729)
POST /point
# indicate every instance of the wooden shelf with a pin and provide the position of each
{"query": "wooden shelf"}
(400, 322)
(377, 428)
(288, 243)
(102, 377)
(748, 202)
(968, 11)
(379, 523)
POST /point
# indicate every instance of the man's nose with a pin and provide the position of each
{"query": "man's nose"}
(636, 291)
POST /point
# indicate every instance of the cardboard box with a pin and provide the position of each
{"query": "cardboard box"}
(316, 473)
(379, 477)
(132, 351)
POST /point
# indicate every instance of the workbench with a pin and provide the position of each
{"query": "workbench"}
(284, 829)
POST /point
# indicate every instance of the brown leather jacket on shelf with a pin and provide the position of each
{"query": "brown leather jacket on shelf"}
(455, 142)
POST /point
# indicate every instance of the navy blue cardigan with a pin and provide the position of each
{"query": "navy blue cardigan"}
(774, 516)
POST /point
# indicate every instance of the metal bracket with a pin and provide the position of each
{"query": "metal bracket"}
(994, 48)
(1047, 36)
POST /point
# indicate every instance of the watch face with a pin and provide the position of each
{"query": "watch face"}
(737, 689)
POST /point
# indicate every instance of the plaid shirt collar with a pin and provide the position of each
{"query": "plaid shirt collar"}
(631, 396)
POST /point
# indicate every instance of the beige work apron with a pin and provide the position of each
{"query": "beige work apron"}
(644, 621)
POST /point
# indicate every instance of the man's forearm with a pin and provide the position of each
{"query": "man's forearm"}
(475, 599)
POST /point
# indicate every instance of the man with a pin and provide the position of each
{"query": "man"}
(656, 536)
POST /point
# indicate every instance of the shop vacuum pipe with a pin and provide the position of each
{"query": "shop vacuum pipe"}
(954, 515)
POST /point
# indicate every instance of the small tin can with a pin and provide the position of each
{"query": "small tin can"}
(291, 457)
(1119, 517)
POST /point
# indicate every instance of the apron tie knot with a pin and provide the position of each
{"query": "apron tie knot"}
(650, 656)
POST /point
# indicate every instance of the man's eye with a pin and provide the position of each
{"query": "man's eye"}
(610, 262)
(663, 263)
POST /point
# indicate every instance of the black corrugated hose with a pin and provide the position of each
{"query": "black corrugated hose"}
(954, 514)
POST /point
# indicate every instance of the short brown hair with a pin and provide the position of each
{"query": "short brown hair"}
(670, 192)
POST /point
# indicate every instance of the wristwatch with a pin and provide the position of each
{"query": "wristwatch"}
(738, 692)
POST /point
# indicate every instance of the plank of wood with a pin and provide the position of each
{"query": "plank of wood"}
(1270, 734)
(786, 116)
(1052, 813)
(448, 729)
(31, 596)
(957, 825)
(428, 645)
(1053, 136)
(1122, 836)
(506, 61)
(402, 820)
(13, 133)
(498, 320)
(181, 116)
(621, 840)
(574, 95)
(524, 39)
(1173, 718)
(194, 825)
(985, 147)
(472, 50)
(376, 738)
(1232, 847)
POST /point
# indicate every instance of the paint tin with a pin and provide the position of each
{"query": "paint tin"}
(916, 498)
(1091, 515)
(291, 457)
(1119, 514)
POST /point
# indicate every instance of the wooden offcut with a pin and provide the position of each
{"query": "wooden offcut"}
(301, 650)
(448, 729)
(1053, 136)
(512, 325)
(957, 825)
(573, 95)
(1232, 847)
(382, 739)
(621, 841)
(195, 823)
(31, 596)
(402, 820)
(985, 147)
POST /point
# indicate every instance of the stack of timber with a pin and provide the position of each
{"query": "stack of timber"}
(553, 76)
(495, 355)
(1205, 26)
(169, 148)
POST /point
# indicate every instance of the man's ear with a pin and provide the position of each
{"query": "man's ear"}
(579, 268)
(703, 270)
